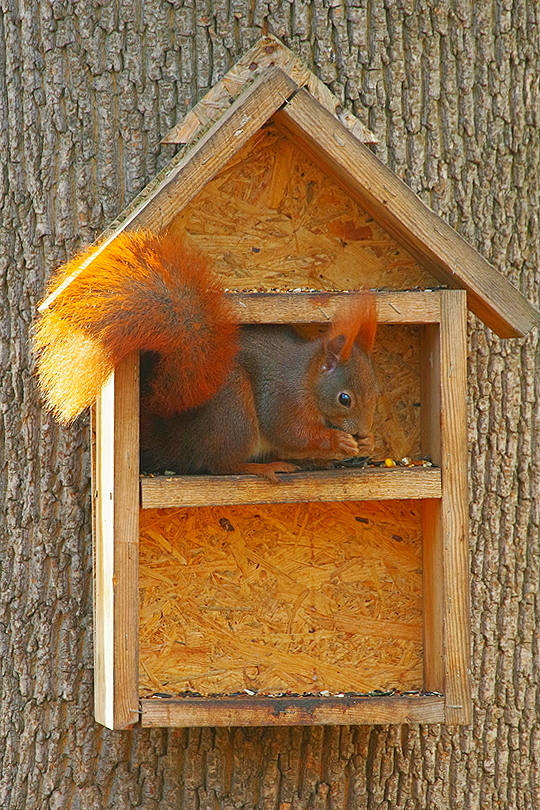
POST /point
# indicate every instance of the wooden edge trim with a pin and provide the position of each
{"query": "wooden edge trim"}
(336, 485)
(126, 541)
(433, 576)
(320, 307)
(289, 711)
(116, 486)
(402, 213)
(454, 508)
(186, 174)
(103, 487)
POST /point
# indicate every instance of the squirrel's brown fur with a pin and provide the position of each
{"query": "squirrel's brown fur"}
(216, 397)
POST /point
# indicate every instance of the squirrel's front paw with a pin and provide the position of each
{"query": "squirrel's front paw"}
(365, 444)
(346, 445)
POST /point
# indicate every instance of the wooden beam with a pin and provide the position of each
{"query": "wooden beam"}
(116, 560)
(445, 521)
(333, 485)
(454, 508)
(185, 175)
(433, 571)
(320, 307)
(423, 233)
(288, 711)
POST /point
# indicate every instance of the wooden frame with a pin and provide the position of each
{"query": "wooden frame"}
(286, 93)
(443, 491)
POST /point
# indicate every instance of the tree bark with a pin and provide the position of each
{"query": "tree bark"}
(451, 89)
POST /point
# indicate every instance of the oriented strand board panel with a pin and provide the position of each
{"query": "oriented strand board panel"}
(397, 421)
(299, 597)
(272, 219)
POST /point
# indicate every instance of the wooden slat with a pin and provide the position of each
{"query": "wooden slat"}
(156, 205)
(334, 485)
(422, 232)
(116, 553)
(445, 521)
(319, 307)
(454, 508)
(433, 570)
(301, 711)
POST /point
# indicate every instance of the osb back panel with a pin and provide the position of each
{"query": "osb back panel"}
(396, 424)
(301, 597)
(272, 219)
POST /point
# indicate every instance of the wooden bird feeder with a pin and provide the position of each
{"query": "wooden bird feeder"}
(338, 596)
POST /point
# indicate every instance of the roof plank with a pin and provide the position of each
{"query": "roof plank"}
(267, 51)
(273, 94)
(397, 208)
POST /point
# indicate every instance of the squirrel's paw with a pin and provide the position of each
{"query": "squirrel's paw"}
(346, 445)
(269, 470)
(365, 444)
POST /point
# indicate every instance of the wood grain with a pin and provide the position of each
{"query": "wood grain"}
(278, 598)
(320, 307)
(267, 711)
(334, 485)
(454, 508)
(273, 219)
(452, 91)
(156, 205)
(433, 550)
(267, 51)
(116, 622)
(446, 535)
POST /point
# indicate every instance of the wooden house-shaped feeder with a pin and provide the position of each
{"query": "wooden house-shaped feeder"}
(338, 596)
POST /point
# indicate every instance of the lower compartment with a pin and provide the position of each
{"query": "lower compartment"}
(305, 598)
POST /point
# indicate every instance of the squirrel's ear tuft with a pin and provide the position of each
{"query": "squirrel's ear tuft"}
(356, 322)
(332, 350)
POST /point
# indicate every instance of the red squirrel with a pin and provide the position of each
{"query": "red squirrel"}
(215, 397)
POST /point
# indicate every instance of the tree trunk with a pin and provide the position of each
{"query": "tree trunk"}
(450, 87)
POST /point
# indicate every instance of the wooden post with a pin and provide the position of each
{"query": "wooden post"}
(116, 534)
(446, 557)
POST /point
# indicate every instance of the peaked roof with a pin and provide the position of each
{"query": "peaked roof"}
(352, 165)
(267, 52)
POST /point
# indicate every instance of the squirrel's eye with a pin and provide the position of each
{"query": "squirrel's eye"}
(344, 399)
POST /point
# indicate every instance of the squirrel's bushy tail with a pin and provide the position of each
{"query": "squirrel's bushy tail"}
(142, 292)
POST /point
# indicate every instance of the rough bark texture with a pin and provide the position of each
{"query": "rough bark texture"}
(86, 92)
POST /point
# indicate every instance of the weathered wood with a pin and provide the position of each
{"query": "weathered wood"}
(289, 711)
(267, 51)
(446, 561)
(433, 569)
(392, 203)
(116, 555)
(319, 307)
(445, 522)
(454, 508)
(331, 485)
(88, 94)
